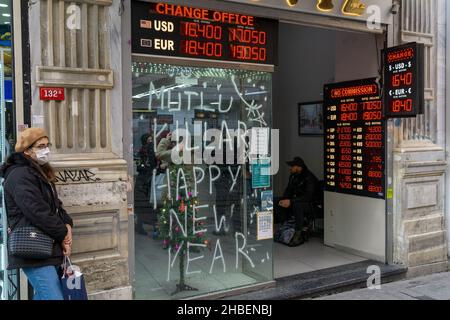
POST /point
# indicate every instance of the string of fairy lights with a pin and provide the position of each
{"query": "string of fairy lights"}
(139, 68)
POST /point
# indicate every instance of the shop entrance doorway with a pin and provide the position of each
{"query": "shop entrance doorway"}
(350, 228)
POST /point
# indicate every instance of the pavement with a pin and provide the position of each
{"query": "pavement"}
(431, 287)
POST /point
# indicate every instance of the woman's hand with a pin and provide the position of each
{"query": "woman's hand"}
(68, 238)
(67, 249)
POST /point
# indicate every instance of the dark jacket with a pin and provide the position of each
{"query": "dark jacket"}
(31, 200)
(302, 187)
(152, 162)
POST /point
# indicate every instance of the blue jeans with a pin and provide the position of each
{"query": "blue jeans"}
(45, 282)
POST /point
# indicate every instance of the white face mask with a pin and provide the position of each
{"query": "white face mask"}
(43, 156)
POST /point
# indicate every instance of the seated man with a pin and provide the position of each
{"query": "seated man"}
(297, 198)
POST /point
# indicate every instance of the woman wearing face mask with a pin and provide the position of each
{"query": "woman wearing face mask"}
(31, 200)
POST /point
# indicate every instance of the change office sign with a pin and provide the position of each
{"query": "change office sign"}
(404, 80)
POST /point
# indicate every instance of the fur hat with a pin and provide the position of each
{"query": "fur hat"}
(28, 137)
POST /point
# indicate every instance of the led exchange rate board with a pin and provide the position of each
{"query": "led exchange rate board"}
(404, 80)
(354, 138)
(174, 30)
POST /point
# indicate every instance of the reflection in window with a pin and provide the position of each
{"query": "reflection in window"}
(199, 235)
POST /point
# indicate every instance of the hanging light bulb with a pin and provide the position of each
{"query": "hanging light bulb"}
(325, 5)
(353, 8)
(291, 3)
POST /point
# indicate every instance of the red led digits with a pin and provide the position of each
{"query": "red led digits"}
(372, 105)
(346, 150)
(400, 105)
(349, 107)
(344, 130)
(377, 159)
(199, 48)
(373, 144)
(402, 79)
(247, 36)
(372, 116)
(374, 136)
(243, 52)
(201, 30)
(345, 144)
(375, 174)
(353, 116)
(345, 185)
(345, 171)
(345, 136)
(375, 189)
(375, 129)
(248, 44)
(344, 164)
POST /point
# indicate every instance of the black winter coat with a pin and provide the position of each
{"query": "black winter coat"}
(31, 200)
(302, 187)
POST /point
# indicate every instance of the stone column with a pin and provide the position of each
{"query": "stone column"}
(77, 45)
(420, 240)
(420, 234)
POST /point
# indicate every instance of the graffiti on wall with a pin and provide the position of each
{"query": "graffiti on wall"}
(77, 175)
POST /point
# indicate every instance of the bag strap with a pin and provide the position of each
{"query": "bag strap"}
(65, 261)
(11, 227)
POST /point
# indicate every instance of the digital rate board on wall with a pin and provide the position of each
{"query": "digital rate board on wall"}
(354, 138)
(404, 80)
(179, 31)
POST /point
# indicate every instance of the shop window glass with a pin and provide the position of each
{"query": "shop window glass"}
(207, 227)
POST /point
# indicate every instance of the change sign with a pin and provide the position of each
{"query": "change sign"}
(403, 80)
(180, 31)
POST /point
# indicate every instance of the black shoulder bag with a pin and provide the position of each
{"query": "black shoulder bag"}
(30, 243)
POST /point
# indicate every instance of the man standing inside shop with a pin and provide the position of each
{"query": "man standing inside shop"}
(298, 199)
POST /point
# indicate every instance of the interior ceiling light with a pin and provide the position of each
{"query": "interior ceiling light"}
(325, 5)
(291, 3)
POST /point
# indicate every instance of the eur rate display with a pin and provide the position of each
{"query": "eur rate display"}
(174, 30)
(354, 138)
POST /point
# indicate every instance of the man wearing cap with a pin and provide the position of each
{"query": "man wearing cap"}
(300, 193)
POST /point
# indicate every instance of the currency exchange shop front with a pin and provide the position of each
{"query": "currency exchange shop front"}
(202, 154)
